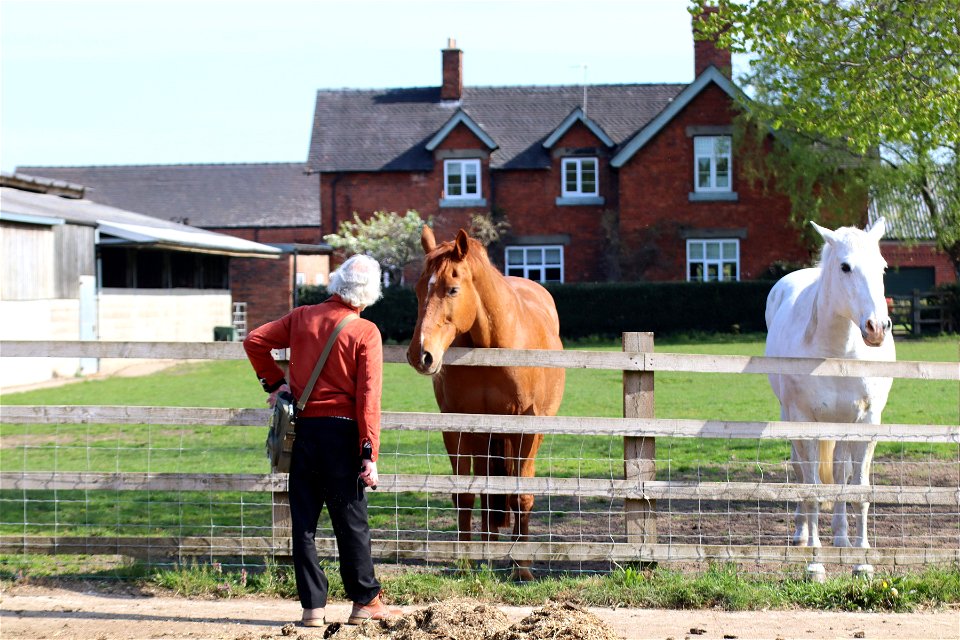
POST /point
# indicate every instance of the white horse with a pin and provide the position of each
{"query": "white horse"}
(835, 310)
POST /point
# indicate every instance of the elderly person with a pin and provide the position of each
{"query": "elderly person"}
(337, 433)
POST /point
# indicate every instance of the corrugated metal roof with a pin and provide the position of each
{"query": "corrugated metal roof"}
(132, 227)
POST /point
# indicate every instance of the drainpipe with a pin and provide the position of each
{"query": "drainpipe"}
(296, 297)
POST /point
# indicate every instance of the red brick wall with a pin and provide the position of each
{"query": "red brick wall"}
(925, 254)
(651, 192)
(529, 200)
(266, 284)
(655, 209)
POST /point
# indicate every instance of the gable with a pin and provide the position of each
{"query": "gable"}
(710, 77)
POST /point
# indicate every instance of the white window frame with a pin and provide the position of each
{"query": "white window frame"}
(712, 156)
(527, 251)
(715, 262)
(463, 164)
(578, 191)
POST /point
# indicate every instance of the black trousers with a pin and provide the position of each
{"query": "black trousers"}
(324, 470)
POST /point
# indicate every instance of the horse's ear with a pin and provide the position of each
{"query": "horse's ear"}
(825, 233)
(876, 231)
(427, 241)
(461, 244)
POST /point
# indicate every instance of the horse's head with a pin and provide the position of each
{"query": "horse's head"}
(852, 278)
(447, 302)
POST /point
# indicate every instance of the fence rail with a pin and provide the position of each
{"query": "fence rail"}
(638, 489)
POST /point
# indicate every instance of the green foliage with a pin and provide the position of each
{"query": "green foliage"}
(864, 98)
(194, 579)
(391, 239)
(862, 71)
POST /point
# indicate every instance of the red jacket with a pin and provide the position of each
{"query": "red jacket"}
(351, 382)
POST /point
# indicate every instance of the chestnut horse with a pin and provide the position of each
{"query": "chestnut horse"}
(464, 301)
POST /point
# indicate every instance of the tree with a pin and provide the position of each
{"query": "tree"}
(391, 239)
(865, 89)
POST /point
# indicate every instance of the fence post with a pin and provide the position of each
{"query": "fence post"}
(639, 453)
(282, 521)
(915, 312)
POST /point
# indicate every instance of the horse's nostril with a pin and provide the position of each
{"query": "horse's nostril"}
(426, 359)
(887, 324)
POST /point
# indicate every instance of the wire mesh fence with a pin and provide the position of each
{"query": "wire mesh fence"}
(166, 485)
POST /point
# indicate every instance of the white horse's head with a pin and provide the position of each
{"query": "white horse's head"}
(852, 278)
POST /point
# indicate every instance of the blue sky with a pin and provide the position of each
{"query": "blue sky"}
(147, 82)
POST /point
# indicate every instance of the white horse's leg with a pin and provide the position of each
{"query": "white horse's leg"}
(801, 531)
(862, 454)
(807, 452)
(841, 476)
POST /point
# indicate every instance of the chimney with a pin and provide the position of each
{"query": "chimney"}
(706, 52)
(452, 88)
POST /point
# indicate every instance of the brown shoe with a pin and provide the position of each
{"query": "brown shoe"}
(312, 618)
(373, 610)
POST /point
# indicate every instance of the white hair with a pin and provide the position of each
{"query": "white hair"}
(357, 281)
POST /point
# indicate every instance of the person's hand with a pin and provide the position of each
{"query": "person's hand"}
(272, 398)
(368, 473)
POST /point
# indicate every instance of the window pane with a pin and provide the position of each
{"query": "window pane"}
(454, 169)
(553, 275)
(723, 145)
(713, 250)
(696, 271)
(712, 272)
(703, 146)
(589, 184)
(703, 172)
(552, 256)
(723, 172)
(534, 256)
(696, 251)
(729, 250)
(534, 274)
(471, 187)
(453, 186)
(514, 256)
(729, 271)
(515, 272)
(570, 177)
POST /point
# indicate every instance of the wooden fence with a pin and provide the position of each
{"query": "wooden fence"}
(920, 313)
(638, 427)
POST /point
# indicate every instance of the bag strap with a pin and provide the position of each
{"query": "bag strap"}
(322, 360)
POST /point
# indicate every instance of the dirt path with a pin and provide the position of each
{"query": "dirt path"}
(28, 611)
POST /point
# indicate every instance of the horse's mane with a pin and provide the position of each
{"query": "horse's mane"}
(443, 251)
(847, 235)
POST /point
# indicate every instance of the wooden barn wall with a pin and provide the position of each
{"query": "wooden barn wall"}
(75, 256)
(28, 262)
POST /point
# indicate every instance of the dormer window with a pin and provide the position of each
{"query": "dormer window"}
(712, 169)
(461, 179)
(580, 177)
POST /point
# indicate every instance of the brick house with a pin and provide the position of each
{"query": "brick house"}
(575, 170)
(270, 203)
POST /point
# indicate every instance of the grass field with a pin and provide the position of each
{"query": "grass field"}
(159, 448)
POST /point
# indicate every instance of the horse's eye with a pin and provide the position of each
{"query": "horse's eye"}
(845, 267)
(452, 291)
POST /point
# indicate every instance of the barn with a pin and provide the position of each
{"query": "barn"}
(75, 269)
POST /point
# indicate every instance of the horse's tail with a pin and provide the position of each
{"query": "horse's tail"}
(501, 464)
(826, 466)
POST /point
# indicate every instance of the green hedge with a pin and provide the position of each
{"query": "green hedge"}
(607, 310)
(662, 307)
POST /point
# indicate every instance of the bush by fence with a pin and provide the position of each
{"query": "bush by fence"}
(608, 309)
